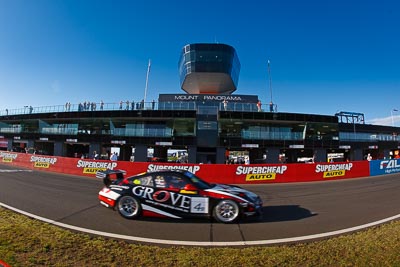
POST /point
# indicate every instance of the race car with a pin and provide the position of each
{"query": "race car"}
(175, 194)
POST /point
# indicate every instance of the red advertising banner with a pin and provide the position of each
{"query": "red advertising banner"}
(3, 143)
(216, 173)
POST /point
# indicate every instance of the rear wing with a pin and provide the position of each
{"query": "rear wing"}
(109, 175)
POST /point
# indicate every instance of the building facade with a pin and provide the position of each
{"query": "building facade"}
(208, 124)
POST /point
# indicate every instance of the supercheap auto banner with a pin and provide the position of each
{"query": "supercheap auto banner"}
(217, 173)
(380, 167)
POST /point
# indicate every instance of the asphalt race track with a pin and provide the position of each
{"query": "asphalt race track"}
(292, 212)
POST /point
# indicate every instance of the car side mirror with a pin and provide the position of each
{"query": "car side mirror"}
(190, 187)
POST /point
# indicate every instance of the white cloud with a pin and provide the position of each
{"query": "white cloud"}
(387, 121)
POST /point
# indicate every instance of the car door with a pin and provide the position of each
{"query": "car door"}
(185, 195)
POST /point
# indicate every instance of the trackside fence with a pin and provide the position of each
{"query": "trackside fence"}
(216, 173)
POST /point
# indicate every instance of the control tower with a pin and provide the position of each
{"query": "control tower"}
(209, 69)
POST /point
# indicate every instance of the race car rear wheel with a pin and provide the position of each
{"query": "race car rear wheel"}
(129, 207)
(226, 211)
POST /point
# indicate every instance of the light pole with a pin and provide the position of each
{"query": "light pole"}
(393, 110)
(271, 104)
(147, 82)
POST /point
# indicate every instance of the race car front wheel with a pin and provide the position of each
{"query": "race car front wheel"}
(226, 211)
(129, 207)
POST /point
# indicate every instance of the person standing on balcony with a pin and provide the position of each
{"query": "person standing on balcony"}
(225, 102)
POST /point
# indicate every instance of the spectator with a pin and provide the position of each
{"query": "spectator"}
(114, 156)
(259, 105)
(225, 102)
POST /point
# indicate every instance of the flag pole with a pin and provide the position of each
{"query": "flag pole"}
(270, 80)
(391, 111)
(147, 81)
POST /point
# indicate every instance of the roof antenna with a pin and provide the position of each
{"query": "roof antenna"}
(215, 39)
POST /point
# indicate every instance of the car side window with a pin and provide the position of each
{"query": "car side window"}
(176, 181)
(146, 180)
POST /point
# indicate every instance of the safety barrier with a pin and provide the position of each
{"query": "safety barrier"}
(219, 173)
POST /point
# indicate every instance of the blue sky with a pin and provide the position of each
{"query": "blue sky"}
(326, 56)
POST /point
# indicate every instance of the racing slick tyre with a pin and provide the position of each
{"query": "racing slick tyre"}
(226, 211)
(129, 207)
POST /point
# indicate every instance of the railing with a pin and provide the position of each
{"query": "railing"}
(259, 135)
(100, 106)
(143, 132)
(362, 137)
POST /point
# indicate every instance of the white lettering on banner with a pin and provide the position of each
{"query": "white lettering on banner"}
(207, 98)
(261, 170)
(190, 168)
(8, 155)
(222, 97)
(184, 97)
(52, 161)
(96, 164)
(390, 166)
(333, 167)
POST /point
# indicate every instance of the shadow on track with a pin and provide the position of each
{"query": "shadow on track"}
(285, 213)
(270, 214)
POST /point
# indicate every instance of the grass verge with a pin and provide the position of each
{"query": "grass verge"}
(28, 242)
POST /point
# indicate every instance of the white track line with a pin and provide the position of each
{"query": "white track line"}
(200, 243)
